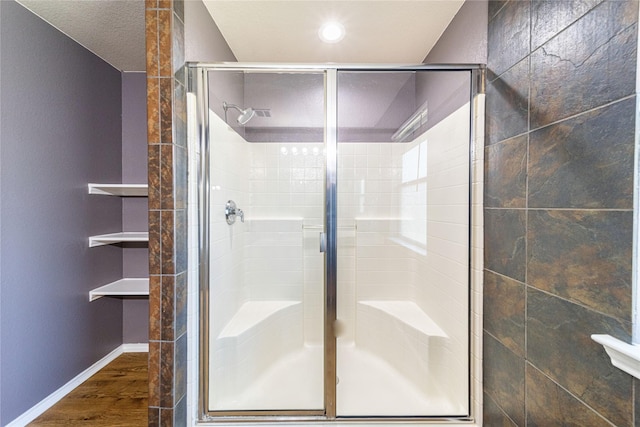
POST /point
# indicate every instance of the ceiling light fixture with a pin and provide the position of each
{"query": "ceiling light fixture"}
(331, 32)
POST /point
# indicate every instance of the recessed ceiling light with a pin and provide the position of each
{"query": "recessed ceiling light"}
(331, 32)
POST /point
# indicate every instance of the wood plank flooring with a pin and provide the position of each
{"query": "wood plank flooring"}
(116, 397)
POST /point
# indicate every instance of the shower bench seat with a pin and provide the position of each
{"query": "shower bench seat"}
(259, 334)
(408, 314)
(403, 335)
(251, 314)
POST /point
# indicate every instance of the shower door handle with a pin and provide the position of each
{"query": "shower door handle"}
(323, 242)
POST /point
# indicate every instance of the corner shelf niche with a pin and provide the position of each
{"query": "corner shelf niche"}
(125, 287)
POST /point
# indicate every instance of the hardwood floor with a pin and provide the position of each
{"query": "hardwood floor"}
(116, 397)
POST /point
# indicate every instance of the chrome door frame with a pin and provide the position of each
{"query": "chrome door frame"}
(198, 84)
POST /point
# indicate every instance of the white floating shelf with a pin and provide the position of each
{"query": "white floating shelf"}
(135, 190)
(623, 356)
(127, 236)
(121, 288)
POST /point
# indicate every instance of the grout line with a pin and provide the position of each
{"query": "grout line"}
(559, 209)
(582, 113)
(528, 363)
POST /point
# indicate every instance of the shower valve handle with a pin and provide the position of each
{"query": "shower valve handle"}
(231, 210)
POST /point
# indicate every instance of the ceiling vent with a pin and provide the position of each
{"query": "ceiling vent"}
(262, 112)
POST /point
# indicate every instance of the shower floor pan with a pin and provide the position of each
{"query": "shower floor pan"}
(367, 386)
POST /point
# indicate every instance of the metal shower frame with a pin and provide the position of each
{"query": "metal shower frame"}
(198, 84)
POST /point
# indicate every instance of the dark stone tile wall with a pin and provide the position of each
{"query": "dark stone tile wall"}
(586, 65)
(493, 415)
(504, 378)
(508, 100)
(506, 187)
(167, 168)
(504, 242)
(559, 243)
(549, 17)
(550, 405)
(505, 320)
(564, 173)
(559, 344)
(559, 211)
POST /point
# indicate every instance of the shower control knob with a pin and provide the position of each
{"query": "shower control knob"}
(231, 211)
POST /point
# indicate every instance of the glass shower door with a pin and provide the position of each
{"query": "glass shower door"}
(372, 167)
(403, 243)
(267, 168)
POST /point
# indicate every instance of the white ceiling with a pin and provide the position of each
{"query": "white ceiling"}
(377, 31)
(112, 29)
(395, 31)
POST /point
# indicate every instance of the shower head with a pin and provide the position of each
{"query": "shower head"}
(245, 115)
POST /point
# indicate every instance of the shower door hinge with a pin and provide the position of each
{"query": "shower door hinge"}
(323, 242)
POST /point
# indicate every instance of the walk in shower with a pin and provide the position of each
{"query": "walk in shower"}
(336, 234)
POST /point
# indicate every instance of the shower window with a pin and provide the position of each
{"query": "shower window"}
(413, 196)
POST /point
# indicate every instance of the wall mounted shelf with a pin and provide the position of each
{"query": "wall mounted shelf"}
(122, 190)
(126, 287)
(121, 288)
(109, 239)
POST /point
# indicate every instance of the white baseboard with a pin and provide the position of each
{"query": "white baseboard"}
(135, 348)
(40, 407)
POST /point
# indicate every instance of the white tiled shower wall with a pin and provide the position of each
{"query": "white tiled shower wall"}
(392, 190)
(228, 180)
(262, 258)
(445, 270)
(286, 184)
(477, 252)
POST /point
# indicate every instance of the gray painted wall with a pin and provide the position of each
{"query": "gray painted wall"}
(463, 42)
(135, 259)
(465, 39)
(61, 128)
(203, 41)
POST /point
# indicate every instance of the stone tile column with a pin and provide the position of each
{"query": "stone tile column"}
(167, 161)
